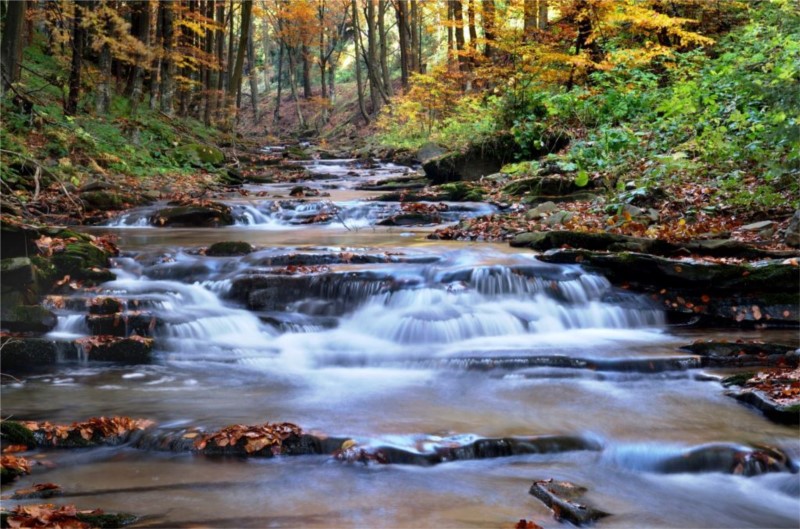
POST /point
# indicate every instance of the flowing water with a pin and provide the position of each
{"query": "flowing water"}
(378, 334)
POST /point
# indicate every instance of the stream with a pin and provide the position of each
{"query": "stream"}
(353, 329)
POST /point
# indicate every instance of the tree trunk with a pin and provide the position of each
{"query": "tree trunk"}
(209, 81)
(251, 63)
(103, 97)
(402, 29)
(488, 28)
(416, 53)
(359, 84)
(78, 40)
(543, 7)
(11, 45)
(530, 13)
(307, 94)
(373, 65)
(458, 18)
(236, 78)
(155, 72)
(231, 51)
(473, 32)
(167, 11)
(219, 42)
(387, 80)
(267, 53)
(141, 30)
(277, 113)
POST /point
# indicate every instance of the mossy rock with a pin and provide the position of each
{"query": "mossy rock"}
(107, 520)
(105, 306)
(17, 271)
(83, 261)
(197, 154)
(210, 215)
(24, 354)
(28, 318)
(105, 200)
(13, 433)
(229, 248)
(17, 239)
(461, 191)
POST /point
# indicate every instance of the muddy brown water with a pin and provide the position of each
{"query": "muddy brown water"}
(378, 363)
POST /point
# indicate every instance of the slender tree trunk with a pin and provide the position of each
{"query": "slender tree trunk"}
(450, 33)
(78, 41)
(277, 113)
(387, 80)
(357, 53)
(166, 9)
(219, 74)
(236, 78)
(530, 13)
(473, 32)
(267, 52)
(402, 29)
(543, 7)
(488, 28)
(11, 45)
(141, 30)
(158, 60)
(103, 91)
(458, 17)
(307, 94)
(292, 54)
(376, 90)
(251, 62)
(231, 50)
(209, 80)
(416, 52)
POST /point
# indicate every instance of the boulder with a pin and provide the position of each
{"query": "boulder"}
(229, 248)
(194, 215)
(477, 160)
(26, 354)
(28, 318)
(197, 154)
(792, 233)
(132, 350)
(542, 210)
(764, 294)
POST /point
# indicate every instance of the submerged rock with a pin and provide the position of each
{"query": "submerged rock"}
(229, 248)
(198, 214)
(764, 294)
(560, 497)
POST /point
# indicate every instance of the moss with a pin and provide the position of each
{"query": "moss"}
(738, 379)
(107, 520)
(13, 433)
(229, 248)
(794, 408)
(196, 154)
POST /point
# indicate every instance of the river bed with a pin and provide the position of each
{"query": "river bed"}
(374, 349)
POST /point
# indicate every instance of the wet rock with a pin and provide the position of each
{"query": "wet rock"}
(25, 354)
(105, 306)
(122, 324)
(111, 199)
(401, 183)
(83, 260)
(205, 215)
(725, 354)
(543, 241)
(14, 433)
(103, 520)
(38, 491)
(792, 234)
(766, 294)
(727, 458)
(780, 413)
(560, 497)
(229, 248)
(430, 151)
(132, 350)
(411, 219)
(578, 196)
(28, 318)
